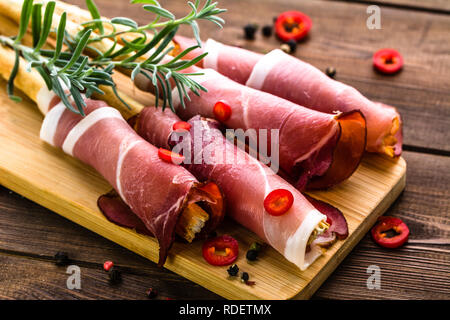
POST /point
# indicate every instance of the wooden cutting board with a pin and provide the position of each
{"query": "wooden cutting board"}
(63, 184)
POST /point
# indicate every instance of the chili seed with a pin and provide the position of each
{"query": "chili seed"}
(285, 47)
(252, 255)
(61, 258)
(249, 31)
(331, 72)
(245, 276)
(267, 30)
(152, 293)
(233, 270)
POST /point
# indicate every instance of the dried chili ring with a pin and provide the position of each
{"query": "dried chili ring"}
(181, 125)
(293, 25)
(390, 232)
(387, 61)
(278, 202)
(222, 111)
(220, 251)
(169, 156)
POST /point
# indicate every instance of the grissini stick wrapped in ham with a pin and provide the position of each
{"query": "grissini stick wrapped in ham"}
(157, 192)
(293, 79)
(316, 150)
(299, 234)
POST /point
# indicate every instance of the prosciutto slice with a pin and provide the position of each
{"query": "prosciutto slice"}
(293, 79)
(245, 182)
(154, 190)
(316, 150)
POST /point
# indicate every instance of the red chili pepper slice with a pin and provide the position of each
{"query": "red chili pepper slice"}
(169, 156)
(108, 265)
(387, 61)
(222, 111)
(278, 202)
(181, 125)
(292, 25)
(390, 232)
(220, 251)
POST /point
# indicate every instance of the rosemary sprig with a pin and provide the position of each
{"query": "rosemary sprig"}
(70, 73)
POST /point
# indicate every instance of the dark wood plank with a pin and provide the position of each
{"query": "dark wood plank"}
(37, 233)
(340, 38)
(30, 235)
(438, 6)
(31, 231)
(420, 269)
(23, 278)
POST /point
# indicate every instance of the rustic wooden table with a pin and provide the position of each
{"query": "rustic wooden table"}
(30, 235)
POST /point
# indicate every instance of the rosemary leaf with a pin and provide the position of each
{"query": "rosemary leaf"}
(95, 15)
(125, 22)
(36, 20)
(159, 11)
(12, 77)
(59, 37)
(78, 50)
(25, 16)
(47, 25)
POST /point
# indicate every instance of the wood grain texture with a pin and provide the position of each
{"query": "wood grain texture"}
(418, 271)
(64, 185)
(23, 278)
(438, 6)
(340, 38)
(424, 206)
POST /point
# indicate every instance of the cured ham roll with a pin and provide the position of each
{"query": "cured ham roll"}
(164, 198)
(293, 79)
(155, 190)
(299, 234)
(316, 150)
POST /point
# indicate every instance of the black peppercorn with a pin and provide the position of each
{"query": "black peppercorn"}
(115, 276)
(249, 31)
(331, 72)
(152, 293)
(61, 258)
(292, 45)
(245, 276)
(252, 255)
(267, 30)
(233, 270)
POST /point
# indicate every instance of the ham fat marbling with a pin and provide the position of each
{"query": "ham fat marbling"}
(316, 150)
(154, 190)
(245, 182)
(293, 79)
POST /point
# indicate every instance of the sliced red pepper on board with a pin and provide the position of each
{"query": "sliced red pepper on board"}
(390, 232)
(222, 111)
(181, 125)
(278, 202)
(387, 61)
(220, 251)
(169, 156)
(292, 25)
